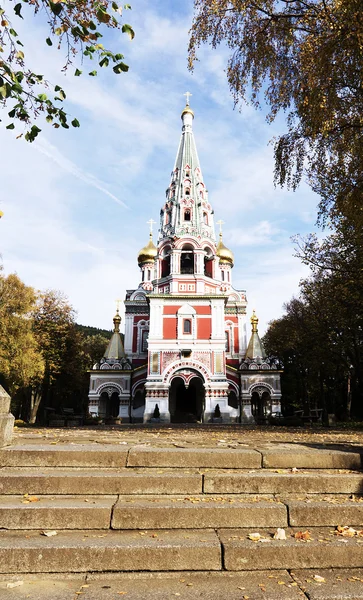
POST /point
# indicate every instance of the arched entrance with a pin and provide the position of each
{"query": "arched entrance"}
(186, 399)
(109, 404)
(261, 404)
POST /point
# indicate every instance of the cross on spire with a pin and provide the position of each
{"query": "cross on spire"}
(187, 94)
(151, 223)
(118, 304)
(220, 223)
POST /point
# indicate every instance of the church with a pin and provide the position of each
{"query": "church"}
(188, 354)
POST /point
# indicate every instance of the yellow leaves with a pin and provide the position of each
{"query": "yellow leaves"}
(29, 499)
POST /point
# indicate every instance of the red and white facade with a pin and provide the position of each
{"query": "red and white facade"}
(185, 325)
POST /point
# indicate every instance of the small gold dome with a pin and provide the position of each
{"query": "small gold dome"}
(148, 252)
(254, 322)
(225, 255)
(186, 110)
(117, 321)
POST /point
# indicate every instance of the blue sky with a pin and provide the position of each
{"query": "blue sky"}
(76, 202)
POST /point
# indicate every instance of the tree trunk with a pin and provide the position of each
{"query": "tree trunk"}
(35, 398)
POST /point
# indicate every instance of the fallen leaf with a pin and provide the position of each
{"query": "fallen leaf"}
(302, 535)
(255, 537)
(48, 533)
(280, 534)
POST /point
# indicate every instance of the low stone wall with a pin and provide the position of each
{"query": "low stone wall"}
(6, 419)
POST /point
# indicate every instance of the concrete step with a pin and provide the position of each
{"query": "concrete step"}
(218, 458)
(328, 510)
(337, 584)
(197, 512)
(324, 550)
(56, 512)
(64, 455)
(77, 552)
(288, 456)
(156, 586)
(47, 480)
(263, 481)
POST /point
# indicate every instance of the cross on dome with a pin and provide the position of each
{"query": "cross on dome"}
(151, 223)
(187, 94)
(118, 304)
(220, 223)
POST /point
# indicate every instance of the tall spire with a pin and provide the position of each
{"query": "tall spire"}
(115, 349)
(255, 347)
(187, 210)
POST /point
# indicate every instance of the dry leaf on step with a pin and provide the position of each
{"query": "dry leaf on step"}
(280, 534)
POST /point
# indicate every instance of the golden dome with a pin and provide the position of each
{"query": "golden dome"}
(148, 252)
(225, 255)
(186, 110)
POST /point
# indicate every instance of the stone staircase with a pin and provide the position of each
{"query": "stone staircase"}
(98, 521)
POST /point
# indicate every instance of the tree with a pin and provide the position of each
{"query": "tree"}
(320, 339)
(20, 357)
(75, 25)
(304, 58)
(53, 324)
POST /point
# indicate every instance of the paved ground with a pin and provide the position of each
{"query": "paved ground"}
(204, 436)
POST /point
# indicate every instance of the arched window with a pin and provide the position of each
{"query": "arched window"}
(187, 192)
(187, 326)
(187, 260)
(205, 218)
(222, 273)
(187, 215)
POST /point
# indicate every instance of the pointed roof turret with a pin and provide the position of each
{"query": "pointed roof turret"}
(255, 347)
(115, 349)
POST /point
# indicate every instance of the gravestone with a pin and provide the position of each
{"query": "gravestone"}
(6, 419)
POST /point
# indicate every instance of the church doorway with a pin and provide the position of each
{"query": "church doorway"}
(261, 406)
(109, 405)
(186, 402)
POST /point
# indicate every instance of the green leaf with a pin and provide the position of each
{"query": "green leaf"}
(104, 62)
(32, 134)
(93, 73)
(19, 55)
(11, 126)
(121, 67)
(42, 97)
(57, 88)
(77, 73)
(12, 32)
(58, 31)
(17, 10)
(128, 29)
(127, 6)
(49, 118)
(75, 123)
(49, 42)
(12, 113)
